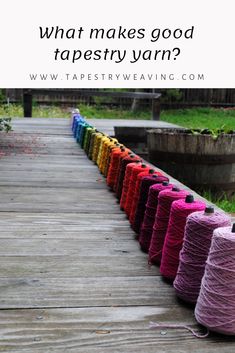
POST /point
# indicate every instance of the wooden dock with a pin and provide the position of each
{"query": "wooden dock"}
(72, 277)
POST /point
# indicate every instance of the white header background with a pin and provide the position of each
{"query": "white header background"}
(211, 52)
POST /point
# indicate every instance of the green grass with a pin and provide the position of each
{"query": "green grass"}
(16, 110)
(201, 118)
(89, 111)
(192, 118)
(223, 202)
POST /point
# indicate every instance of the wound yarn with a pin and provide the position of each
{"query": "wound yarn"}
(131, 187)
(121, 157)
(104, 157)
(104, 141)
(114, 165)
(150, 214)
(92, 141)
(165, 200)
(125, 152)
(136, 193)
(96, 148)
(126, 182)
(85, 139)
(82, 135)
(215, 308)
(197, 241)
(180, 210)
(121, 175)
(77, 120)
(108, 156)
(147, 181)
(90, 130)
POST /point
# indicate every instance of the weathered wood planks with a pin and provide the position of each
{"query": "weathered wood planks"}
(109, 330)
(72, 277)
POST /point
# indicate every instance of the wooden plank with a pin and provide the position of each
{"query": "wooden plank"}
(104, 330)
(28, 199)
(79, 265)
(69, 226)
(61, 247)
(51, 219)
(25, 292)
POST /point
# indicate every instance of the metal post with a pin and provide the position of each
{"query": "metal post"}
(27, 103)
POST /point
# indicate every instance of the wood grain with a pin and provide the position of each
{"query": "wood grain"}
(110, 329)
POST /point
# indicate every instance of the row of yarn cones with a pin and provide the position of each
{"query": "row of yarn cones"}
(193, 244)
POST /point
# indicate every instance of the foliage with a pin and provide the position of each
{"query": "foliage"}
(201, 118)
(91, 111)
(171, 95)
(2, 96)
(214, 133)
(5, 124)
(195, 118)
(223, 202)
(99, 100)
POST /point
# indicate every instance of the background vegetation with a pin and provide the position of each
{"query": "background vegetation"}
(210, 118)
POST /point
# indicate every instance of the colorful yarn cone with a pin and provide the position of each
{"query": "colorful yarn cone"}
(215, 306)
(131, 187)
(92, 142)
(126, 182)
(165, 199)
(197, 241)
(144, 190)
(109, 142)
(77, 120)
(104, 141)
(87, 138)
(121, 175)
(114, 166)
(109, 148)
(175, 234)
(150, 214)
(96, 148)
(125, 152)
(108, 157)
(136, 194)
(147, 171)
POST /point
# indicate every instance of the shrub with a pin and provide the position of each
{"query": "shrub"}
(5, 124)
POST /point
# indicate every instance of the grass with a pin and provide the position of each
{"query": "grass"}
(192, 118)
(201, 118)
(223, 202)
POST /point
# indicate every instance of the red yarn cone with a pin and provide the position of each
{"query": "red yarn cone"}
(131, 187)
(125, 161)
(126, 183)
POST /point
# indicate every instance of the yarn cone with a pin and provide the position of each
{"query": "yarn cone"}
(175, 234)
(197, 241)
(215, 306)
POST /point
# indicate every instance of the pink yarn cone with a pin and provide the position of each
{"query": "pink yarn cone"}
(215, 307)
(197, 241)
(175, 233)
(150, 213)
(165, 199)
